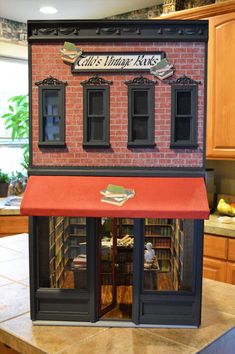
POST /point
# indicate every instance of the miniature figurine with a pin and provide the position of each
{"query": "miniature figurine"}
(149, 253)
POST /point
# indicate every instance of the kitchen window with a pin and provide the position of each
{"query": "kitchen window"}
(141, 112)
(184, 93)
(96, 111)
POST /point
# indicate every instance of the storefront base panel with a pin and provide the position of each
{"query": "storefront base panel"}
(119, 324)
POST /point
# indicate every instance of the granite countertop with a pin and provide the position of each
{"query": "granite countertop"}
(215, 227)
(8, 210)
(215, 335)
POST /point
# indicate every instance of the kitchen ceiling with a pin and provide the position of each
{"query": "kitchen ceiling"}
(23, 10)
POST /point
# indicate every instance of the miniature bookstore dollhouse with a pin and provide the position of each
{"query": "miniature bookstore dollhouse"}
(116, 193)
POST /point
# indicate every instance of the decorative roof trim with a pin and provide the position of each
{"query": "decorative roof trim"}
(118, 30)
(96, 81)
(140, 80)
(184, 80)
(50, 81)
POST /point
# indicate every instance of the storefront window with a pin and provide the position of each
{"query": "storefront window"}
(67, 248)
(168, 262)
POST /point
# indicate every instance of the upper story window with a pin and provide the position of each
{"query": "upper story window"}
(51, 112)
(184, 93)
(141, 94)
(96, 111)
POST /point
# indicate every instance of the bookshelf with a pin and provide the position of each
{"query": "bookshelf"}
(57, 248)
(159, 233)
(182, 249)
(76, 238)
(67, 239)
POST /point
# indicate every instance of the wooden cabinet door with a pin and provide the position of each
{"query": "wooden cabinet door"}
(215, 246)
(221, 87)
(231, 249)
(214, 269)
(13, 224)
(231, 273)
(4, 349)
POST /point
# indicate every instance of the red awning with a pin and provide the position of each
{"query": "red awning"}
(155, 197)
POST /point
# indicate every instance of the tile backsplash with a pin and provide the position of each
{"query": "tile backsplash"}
(224, 175)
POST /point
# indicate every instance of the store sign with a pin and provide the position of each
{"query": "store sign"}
(117, 61)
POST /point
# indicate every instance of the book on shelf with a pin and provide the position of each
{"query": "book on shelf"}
(80, 261)
(116, 195)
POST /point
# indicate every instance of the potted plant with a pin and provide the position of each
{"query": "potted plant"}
(17, 122)
(4, 184)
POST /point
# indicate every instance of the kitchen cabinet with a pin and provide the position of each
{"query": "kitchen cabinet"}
(221, 87)
(231, 273)
(13, 224)
(5, 349)
(214, 269)
(231, 250)
(215, 246)
(219, 258)
(220, 141)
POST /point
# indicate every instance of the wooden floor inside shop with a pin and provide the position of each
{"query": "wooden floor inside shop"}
(123, 308)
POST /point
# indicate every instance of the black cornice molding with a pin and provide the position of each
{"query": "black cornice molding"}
(118, 30)
(116, 171)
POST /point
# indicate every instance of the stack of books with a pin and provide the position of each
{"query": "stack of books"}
(162, 69)
(116, 195)
(80, 261)
(69, 53)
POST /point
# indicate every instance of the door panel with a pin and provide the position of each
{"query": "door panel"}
(107, 235)
(221, 86)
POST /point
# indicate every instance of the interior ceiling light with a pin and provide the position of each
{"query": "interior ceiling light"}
(49, 10)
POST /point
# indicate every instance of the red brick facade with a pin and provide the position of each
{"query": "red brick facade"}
(187, 58)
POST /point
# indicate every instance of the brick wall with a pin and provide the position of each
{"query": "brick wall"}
(188, 59)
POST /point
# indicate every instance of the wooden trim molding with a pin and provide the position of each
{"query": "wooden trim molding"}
(201, 12)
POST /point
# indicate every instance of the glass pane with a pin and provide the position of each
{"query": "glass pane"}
(51, 128)
(140, 102)
(67, 252)
(51, 102)
(116, 267)
(106, 262)
(182, 128)
(183, 103)
(139, 128)
(168, 260)
(96, 129)
(96, 103)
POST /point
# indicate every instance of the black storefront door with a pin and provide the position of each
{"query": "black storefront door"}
(118, 271)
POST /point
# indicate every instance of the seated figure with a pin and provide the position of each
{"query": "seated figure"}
(149, 253)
